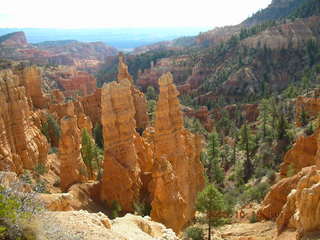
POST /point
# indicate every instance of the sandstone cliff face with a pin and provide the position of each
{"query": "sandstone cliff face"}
(294, 201)
(72, 167)
(31, 77)
(22, 144)
(302, 154)
(177, 154)
(139, 100)
(75, 82)
(121, 181)
(156, 168)
(92, 106)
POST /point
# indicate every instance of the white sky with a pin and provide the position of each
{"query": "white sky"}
(126, 13)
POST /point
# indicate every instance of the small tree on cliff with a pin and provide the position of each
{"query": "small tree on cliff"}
(210, 202)
(90, 153)
(51, 130)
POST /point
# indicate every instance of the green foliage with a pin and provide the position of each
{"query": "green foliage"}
(309, 8)
(194, 233)
(151, 93)
(91, 154)
(211, 202)
(253, 218)
(51, 130)
(254, 193)
(215, 172)
(40, 168)
(142, 208)
(115, 209)
(248, 144)
(151, 110)
(98, 135)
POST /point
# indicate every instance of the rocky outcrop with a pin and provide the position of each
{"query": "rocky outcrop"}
(121, 180)
(311, 106)
(97, 226)
(176, 162)
(301, 209)
(32, 80)
(180, 67)
(294, 201)
(92, 106)
(76, 83)
(302, 154)
(139, 100)
(72, 167)
(21, 143)
(202, 114)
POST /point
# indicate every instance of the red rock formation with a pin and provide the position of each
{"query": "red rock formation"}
(179, 66)
(21, 143)
(202, 114)
(177, 161)
(92, 106)
(294, 201)
(72, 168)
(139, 100)
(301, 155)
(75, 82)
(121, 180)
(32, 80)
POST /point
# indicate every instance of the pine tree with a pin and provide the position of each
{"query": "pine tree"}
(210, 202)
(247, 144)
(215, 172)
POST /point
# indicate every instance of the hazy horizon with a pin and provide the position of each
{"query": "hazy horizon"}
(99, 14)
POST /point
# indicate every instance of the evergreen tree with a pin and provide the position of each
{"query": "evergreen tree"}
(151, 93)
(248, 145)
(215, 172)
(210, 202)
(98, 135)
(90, 153)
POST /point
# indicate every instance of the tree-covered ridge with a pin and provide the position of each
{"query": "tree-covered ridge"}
(275, 11)
(309, 8)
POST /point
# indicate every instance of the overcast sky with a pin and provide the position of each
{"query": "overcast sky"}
(126, 13)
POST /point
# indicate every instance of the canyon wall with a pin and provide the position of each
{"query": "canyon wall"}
(22, 145)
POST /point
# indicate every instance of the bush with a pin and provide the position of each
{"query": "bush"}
(253, 218)
(40, 169)
(142, 208)
(194, 233)
(115, 209)
(16, 209)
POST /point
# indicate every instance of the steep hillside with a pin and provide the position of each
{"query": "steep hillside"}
(276, 10)
(15, 39)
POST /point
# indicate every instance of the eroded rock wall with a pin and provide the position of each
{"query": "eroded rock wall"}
(22, 144)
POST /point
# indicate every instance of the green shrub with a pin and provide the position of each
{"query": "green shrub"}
(142, 208)
(194, 233)
(115, 209)
(253, 218)
(40, 169)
